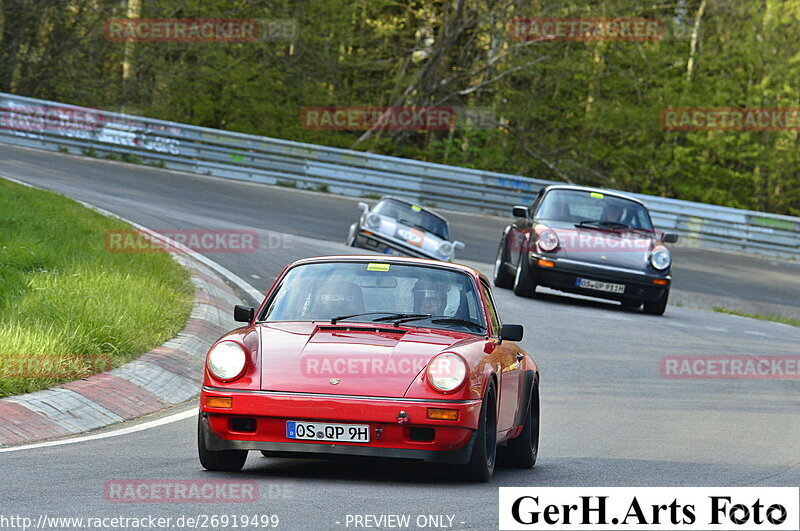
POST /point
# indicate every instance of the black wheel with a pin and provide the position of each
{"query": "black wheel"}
(223, 461)
(502, 278)
(657, 306)
(522, 451)
(484, 452)
(524, 285)
(631, 304)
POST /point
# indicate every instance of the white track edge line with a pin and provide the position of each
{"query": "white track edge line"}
(122, 431)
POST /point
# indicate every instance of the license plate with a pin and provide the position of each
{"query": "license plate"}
(600, 286)
(392, 252)
(323, 431)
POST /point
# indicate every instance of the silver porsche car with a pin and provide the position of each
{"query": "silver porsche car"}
(397, 227)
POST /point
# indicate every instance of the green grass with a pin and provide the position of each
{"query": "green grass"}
(774, 318)
(65, 301)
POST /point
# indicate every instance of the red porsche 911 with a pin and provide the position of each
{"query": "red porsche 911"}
(398, 358)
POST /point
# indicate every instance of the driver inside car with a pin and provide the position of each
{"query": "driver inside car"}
(613, 212)
(429, 297)
(440, 299)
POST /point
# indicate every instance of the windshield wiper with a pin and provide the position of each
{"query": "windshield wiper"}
(614, 225)
(343, 317)
(442, 319)
(600, 225)
(453, 320)
(587, 223)
(399, 317)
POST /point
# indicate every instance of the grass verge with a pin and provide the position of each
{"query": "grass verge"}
(68, 307)
(773, 318)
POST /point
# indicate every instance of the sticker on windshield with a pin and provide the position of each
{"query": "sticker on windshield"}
(415, 208)
(378, 267)
(597, 195)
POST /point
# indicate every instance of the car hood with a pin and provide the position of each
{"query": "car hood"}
(623, 248)
(426, 242)
(364, 360)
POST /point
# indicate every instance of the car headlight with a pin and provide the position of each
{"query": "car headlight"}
(446, 372)
(548, 241)
(373, 220)
(445, 249)
(661, 258)
(226, 360)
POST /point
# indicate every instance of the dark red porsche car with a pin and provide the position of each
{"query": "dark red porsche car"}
(364, 356)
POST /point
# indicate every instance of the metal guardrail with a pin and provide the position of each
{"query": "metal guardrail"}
(44, 124)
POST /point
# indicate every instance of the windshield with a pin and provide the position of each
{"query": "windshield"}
(413, 216)
(593, 209)
(336, 290)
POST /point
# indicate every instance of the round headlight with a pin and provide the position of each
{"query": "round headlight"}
(446, 372)
(548, 241)
(445, 249)
(660, 259)
(373, 220)
(226, 360)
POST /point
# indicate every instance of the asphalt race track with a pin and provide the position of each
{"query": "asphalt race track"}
(608, 417)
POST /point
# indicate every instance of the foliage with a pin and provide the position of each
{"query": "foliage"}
(585, 112)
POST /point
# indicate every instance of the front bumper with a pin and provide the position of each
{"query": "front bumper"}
(564, 275)
(452, 441)
(382, 244)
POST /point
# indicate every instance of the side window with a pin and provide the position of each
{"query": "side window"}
(487, 295)
(536, 202)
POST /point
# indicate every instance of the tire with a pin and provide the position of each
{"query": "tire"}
(484, 452)
(657, 306)
(524, 285)
(502, 278)
(223, 461)
(523, 451)
(631, 304)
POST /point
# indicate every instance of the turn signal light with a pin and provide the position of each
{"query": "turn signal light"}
(442, 414)
(660, 281)
(546, 263)
(219, 401)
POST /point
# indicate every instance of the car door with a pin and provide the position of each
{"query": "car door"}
(504, 357)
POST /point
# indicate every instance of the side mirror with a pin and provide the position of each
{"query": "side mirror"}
(364, 207)
(458, 245)
(520, 212)
(243, 314)
(511, 332)
(670, 237)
